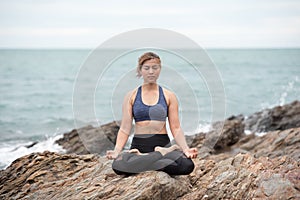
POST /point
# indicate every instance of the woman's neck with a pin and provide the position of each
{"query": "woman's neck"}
(150, 86)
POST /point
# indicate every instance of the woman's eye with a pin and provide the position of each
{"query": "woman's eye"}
(154, 67)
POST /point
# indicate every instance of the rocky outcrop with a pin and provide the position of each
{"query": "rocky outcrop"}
(222, 136)
(90, 139)
(230, 165)
(54, 176)
(272, 145)
(225, 134)
(245, 177)
(277, 118)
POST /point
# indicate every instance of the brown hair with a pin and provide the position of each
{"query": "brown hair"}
(146, 56)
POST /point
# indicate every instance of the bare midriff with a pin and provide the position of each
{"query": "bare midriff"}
(150, 127)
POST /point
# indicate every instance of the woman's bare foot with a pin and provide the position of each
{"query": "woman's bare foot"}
(164, 150)
(136, 151)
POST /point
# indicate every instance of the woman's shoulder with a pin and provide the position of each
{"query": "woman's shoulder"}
(132, 95)
(169, 95)
(167, 92)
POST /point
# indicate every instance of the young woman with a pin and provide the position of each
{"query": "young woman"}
(150, 105)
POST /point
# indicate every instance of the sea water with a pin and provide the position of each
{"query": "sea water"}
(36, 87)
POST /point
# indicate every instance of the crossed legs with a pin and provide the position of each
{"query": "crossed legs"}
(169, 160)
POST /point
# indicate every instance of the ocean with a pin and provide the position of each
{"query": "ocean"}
(36, 86)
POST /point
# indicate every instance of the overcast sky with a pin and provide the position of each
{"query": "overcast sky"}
(88, 23)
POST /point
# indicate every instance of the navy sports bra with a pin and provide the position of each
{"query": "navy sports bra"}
(142, 112)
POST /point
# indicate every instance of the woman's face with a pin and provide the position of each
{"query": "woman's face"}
(150, 70)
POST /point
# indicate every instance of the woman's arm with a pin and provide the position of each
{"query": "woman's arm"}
(176, 129)
(125, 127)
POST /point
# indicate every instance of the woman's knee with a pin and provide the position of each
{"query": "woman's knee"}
(187, 166)
(183, 166)
(118, 168)
(115, 165)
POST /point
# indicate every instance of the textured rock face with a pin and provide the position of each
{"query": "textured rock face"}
(90, 139)
(231, 132)
(245, 177)
(236, 166)
(277, 118)
(220, 138)
(54, 176)
(274, 144)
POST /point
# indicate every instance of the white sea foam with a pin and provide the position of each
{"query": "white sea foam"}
(260, 134)
(11, 151)
(204, 128)
(248, 132)
(287, 89)
(290, 88)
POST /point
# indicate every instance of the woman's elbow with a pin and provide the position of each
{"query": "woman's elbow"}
(175, 130)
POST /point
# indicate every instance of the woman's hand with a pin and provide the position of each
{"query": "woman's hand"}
(112, 154)
(191, 152)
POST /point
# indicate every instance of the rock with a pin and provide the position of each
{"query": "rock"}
(273, 144)
(221, 137)
(31, 145)
(69, 176)
(90, 139)
(232, 130)
(196, 140)
(277, 118)
(245, 177)
(230, 165)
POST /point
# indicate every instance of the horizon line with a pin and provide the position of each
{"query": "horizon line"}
(91, 48)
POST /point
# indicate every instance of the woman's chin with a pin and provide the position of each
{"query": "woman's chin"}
(150, 81)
